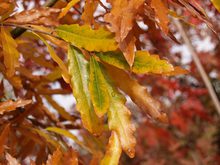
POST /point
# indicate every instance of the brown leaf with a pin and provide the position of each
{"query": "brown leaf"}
(10, 105)
(122, 24)
(55, 158)
(4, 137)
(161, 11)
(138, 93)
(89, 9)
(38, 16)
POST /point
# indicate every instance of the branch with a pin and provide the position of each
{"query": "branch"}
(28, 27)
(19, 31)
(199, 66)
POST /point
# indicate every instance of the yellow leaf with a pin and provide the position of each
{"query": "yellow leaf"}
(69, 135)
(216, 3)
(57, 59)
(98, 88)
(143, 63)
(119, 121)
(85, 37)
(146, 63)
(137, 93)
(67, 8)
(10, 52)
(113, 152)
(79, 71)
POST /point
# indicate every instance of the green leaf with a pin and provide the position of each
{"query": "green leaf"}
(113, 152)
(216, 3)
(79, 71)
(85, 37)
(98, 88)
(119, 120)
(143, 62)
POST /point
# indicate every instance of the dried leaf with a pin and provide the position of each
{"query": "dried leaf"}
(89, 9)
(113, 152)
(11, 160)
(216, 3)
(4, 137)
(138, 94)
(67, 8)
(38, 16)
(6, 8)
(119, 121)
(85, 37)
(122, 24)
(55, 158)
(10, 52)
(161, 11)
(10, 105)
(79, 71)
(177, 71)
(57, 59)
(98, 88)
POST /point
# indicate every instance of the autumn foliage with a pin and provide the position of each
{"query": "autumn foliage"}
(135, 101)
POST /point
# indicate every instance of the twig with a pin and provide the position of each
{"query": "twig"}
(19, 31)
(198, 65)
(28, 27)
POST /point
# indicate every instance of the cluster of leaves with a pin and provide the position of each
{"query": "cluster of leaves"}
(98, 58)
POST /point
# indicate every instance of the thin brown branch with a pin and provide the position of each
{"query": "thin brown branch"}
(198, 64)
(28, 27)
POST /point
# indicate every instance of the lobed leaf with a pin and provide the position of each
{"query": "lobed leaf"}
(137, 93)
(10, 52)
(113, 152)
(119, 121)
(85, 37)
(98, 88)
(79, 71)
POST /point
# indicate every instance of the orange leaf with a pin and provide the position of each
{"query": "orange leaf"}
(161, 11)
(4, 137)
(138, 93)
(10, 105)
